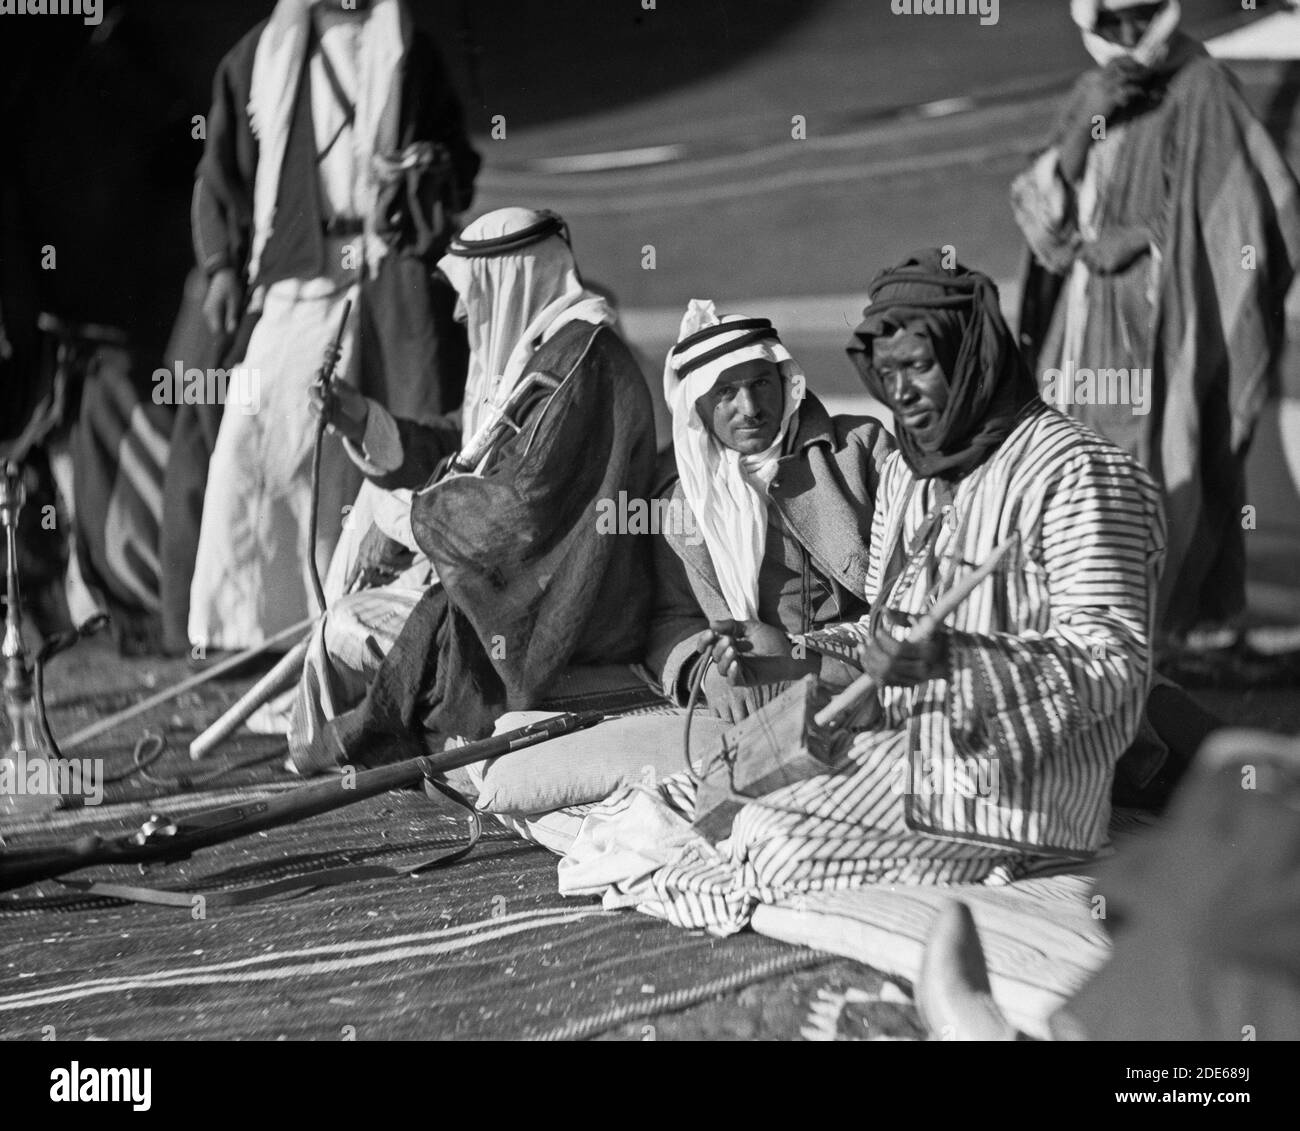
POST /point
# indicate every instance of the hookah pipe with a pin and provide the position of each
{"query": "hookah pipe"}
(53, 645)
(324, 382)
(17, 675)
(24, 684)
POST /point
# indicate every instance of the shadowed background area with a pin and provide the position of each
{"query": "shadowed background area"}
(96, 122)
(667, 128)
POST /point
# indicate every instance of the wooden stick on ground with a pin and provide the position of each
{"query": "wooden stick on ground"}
(280, 677)
(284, 675)
(924, 628)
(289, 635)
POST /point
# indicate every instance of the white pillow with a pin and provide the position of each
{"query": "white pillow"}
(588, 765)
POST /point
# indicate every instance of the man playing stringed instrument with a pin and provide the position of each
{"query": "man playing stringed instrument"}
(510, 580)
(992, 743)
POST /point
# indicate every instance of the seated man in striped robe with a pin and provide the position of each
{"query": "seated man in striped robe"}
(991, 746)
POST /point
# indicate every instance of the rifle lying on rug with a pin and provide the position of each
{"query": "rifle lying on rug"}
(163, 840)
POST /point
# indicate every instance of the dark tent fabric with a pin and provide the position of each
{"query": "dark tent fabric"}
(119, 453)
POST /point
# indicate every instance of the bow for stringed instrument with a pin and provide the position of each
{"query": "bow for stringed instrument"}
(804, 732)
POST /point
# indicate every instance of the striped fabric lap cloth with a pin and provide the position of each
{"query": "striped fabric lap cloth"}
(1039, 935)
(817, 835)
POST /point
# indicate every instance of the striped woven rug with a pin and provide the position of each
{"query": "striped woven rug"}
(484, 949)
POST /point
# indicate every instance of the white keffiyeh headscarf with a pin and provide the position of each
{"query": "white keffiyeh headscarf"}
(727, 492)
(1151, 49)
(514, 301)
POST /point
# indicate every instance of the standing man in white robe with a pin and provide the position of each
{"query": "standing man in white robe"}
(336, 158)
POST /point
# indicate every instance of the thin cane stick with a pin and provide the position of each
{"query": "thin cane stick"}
(924, 628)
(280, 677)
(289, 635)
(325, 382)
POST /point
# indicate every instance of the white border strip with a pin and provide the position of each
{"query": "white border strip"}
(440, 942)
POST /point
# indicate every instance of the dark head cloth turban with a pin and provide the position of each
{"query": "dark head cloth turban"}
(988, 384)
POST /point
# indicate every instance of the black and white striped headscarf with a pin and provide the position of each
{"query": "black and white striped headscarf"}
(727, 492)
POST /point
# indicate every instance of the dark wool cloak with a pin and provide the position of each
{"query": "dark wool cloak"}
(529, 582)
(1199, 181)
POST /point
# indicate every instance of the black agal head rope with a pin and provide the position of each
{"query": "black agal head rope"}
(550, 224)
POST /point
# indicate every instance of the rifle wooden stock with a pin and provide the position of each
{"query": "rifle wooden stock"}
(180, 839)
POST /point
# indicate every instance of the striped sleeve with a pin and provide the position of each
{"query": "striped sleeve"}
(1102, 531)
(891, 477)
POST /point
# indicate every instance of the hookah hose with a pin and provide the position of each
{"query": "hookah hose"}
(328, 365)
(313, 515)
(60, 642)
(149, 748)
(693, 700)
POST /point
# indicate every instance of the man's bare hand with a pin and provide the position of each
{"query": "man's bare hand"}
(1113, 87)
(380, 560)
(224, 300)
(751, 653)
(1114, 251)
(345, 410)
(892, 660)
(728, 702)
(1106, 91)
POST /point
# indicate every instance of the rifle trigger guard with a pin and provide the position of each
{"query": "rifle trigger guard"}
(157, 827)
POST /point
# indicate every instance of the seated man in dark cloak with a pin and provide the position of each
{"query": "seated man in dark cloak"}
(507, 578)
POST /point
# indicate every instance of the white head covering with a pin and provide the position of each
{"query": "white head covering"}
(1151, 49)
(515, 299)
(727, 492)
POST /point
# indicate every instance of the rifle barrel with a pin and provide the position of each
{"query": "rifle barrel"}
(202, 830)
